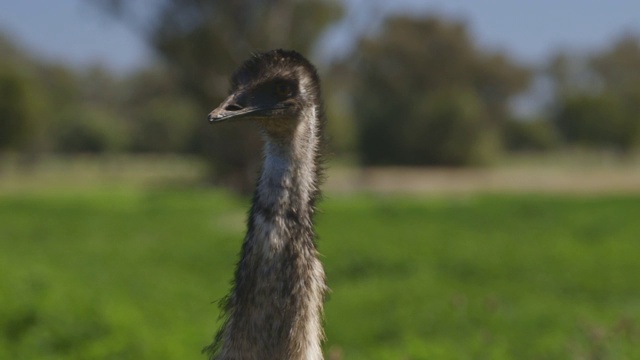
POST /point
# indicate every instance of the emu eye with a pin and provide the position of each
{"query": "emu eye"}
(283, 89)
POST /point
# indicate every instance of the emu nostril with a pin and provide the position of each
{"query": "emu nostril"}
(232, 107)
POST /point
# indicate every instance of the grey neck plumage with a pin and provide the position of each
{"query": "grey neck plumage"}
(275, 308)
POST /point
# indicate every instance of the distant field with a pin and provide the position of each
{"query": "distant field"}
(580, 173)
(82, 173)
(131, 273)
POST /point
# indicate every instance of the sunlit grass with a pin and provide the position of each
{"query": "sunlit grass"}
(132, 274)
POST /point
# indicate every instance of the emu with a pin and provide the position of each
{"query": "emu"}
(275, 307)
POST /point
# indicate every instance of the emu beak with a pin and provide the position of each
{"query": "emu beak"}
(229, 108)
(235, 107)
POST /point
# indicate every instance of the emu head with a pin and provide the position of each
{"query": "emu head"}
(274, 89)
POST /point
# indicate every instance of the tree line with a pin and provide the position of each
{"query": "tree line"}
(417, 91)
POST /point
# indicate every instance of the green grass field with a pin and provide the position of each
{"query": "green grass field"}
(134, 274)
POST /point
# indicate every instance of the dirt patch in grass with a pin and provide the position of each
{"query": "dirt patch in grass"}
(588, 180)
(555, 175)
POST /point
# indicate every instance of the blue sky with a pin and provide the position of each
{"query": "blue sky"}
(75, 32)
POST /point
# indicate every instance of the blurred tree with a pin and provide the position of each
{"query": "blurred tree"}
(597, 96)
(20, 107)
(89, 110)
(163, 126)
(10, 53)
(21, 99)
(161, 118)
(424, 95)
(570, 75)
(63, 89)
(618, 71)
(89, 130)
(618, 68)
(530, 135)
(83, 110)
(595, 121)
(203, 41)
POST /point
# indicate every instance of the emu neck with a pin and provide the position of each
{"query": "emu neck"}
(288, 179)
(275, 309)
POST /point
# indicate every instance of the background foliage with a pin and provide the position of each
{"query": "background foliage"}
(424, 95)
(417, 91)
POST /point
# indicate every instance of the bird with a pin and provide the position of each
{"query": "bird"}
(275, 307)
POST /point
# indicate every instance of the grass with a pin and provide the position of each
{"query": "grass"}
(132, 274)
(490, 277)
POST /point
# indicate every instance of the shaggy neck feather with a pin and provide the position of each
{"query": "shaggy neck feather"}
(277, 312)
